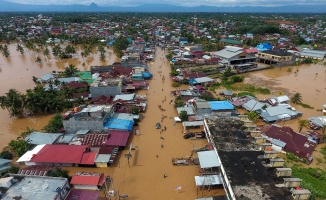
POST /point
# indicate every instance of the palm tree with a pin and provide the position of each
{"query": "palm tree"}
(302, 123)
(296, 98)
(13, 102)
(70, 70)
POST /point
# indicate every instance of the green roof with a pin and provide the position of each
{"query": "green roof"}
(85, 76)
(231, 41)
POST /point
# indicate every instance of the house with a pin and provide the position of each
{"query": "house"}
(37, 138)
(33, 187)
(107, 87)
(88, 181)
(317, 122)
(90, 118)
(236, 57)
(264, 47)
(63, 155)
(47, 78)
(286, 139)
(254, 105)
(202, 108)
(77, 194)
(274, 57)
(201, 81)
(221, 108)
(279, 113)
(4, 164)
(314, 54)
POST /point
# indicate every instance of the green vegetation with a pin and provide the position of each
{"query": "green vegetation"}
(58, 172)
(5, 154)
(38, 100)
(20, 146)
(253, 116)
(120, 44)
(303, 123)
(179, 103)
(247, 88)
(306, 105)
(54, 125)
(296, 98)
(313, 179)
(135, 110)
(245, 93)
(236, 79)
(323, 151)
(208, 97)
(214, 86)
(176, 84)
(183, 115)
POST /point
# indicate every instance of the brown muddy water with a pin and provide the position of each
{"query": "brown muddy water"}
(308, 80)
(143, 177)
(17, 71)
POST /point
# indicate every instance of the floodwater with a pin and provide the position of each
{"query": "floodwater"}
(308, 80)
(17, 71)
(144, 178)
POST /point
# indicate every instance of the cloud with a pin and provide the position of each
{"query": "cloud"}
(173, 2)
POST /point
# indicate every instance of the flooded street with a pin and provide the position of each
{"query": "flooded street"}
(17, 72)
(144, 178)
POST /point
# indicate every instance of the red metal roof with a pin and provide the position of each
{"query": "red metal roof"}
(88, 179)
(118, 138)
(76, 194)
(88, 158)
(60, 154)
(95, 139)
(295, 143)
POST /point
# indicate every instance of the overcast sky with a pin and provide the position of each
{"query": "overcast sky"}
(174, 2)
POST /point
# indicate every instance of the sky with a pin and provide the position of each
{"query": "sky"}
(173, 2)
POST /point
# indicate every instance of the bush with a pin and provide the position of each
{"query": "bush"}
(54, 125)
(176, 84)
(6, 155)
(237, 79)
(135, 110)
(179, 103)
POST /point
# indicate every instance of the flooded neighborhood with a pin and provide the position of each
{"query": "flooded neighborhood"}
(176, 111)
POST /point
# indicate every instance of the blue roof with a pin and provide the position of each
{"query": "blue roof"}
(147, 75)
(221, 105)
(120, 124)
(264, 46)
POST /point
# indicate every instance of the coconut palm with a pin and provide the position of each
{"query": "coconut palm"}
(296, 98)
(13, 102)
(302, 123)
(70, 70)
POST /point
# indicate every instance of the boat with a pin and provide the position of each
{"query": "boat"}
(183, 161)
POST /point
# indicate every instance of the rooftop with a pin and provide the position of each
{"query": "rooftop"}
(42, 138)
(83, 195)
(33, 187)
(99, 82)
(249, 178)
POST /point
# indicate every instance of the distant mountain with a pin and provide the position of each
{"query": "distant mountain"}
(16, 7)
